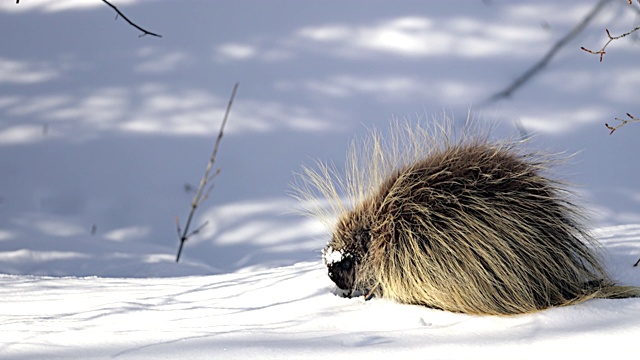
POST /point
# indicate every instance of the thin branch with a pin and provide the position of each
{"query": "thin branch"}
(144, 32)
(214, 174)
(197, 230)
(637, 262)
(201, 195)
(206, 193)
(178, 226)
(623, 123)
(549, 55)
(601, 52)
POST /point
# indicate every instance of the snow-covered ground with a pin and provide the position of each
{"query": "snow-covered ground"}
(103, 136)
(291, 313)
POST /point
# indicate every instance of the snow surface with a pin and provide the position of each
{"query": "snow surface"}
(103, 136)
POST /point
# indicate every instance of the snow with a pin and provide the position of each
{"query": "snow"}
(103, 136)
(332, 256)
(290, 313)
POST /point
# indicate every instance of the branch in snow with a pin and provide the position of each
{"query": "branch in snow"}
(623, 123)
(201, 194)
(144, 32)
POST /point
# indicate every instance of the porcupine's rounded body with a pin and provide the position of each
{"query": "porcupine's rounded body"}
(461, 225)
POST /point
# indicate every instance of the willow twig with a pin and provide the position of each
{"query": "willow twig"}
(601, 52)
(623, 123)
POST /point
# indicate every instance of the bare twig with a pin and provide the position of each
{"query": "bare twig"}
(201, 195)
(601, 52)
(623, 123)
(549, 55)
(144, 32)
(637, 262)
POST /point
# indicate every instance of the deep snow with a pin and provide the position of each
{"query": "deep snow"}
(103, 136)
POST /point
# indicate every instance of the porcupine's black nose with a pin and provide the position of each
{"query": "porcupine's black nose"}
(342, 273)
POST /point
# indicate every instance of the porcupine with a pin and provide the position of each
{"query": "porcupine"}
(458, 224)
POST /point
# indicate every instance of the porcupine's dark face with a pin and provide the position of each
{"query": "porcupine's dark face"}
(343, 256)
(343, 272)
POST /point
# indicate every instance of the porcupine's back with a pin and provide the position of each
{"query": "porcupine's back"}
(476, 228)
(460, 224)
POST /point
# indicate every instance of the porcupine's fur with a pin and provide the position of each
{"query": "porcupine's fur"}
(463, 225)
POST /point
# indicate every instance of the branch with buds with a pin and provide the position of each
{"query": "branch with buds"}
(623, 123)
(601, 52)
